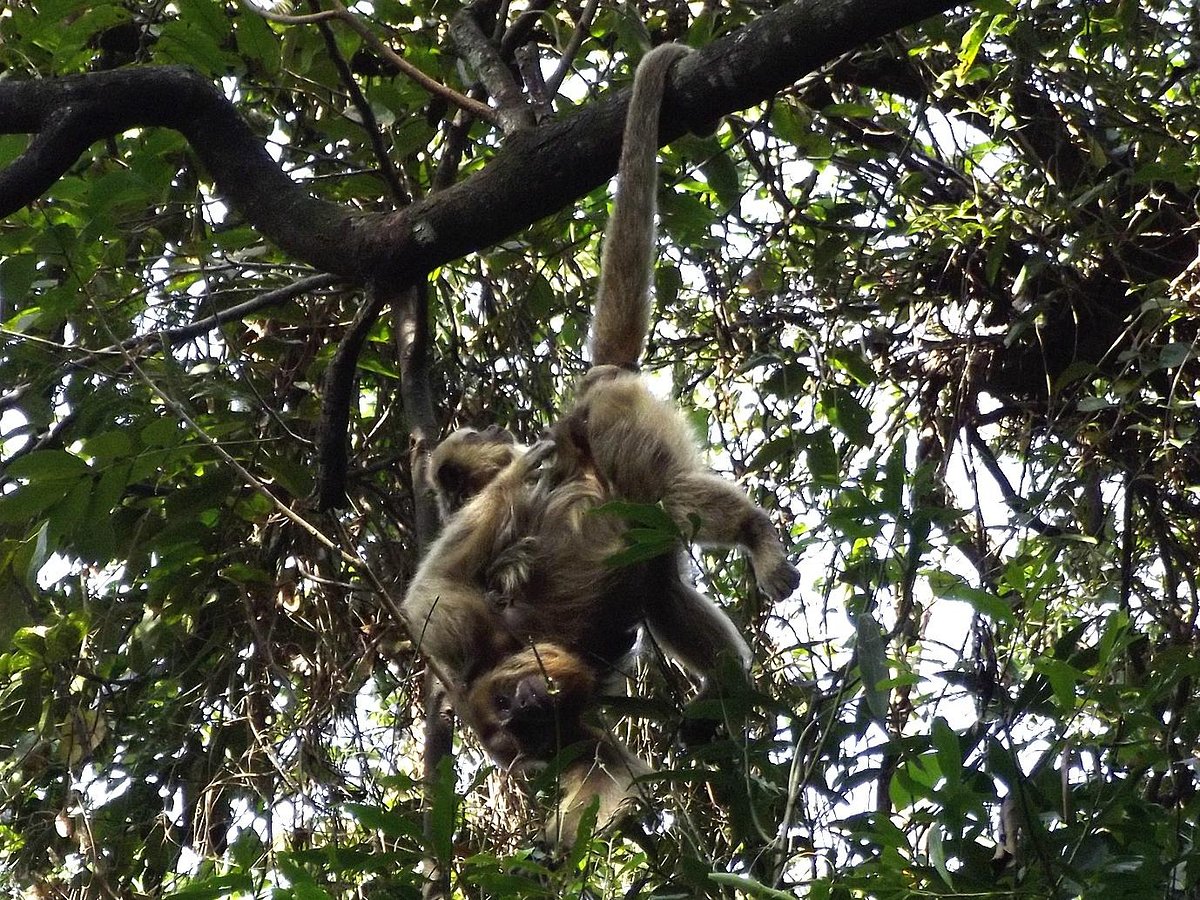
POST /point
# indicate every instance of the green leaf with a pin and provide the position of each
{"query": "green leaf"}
(949, 751)
(952, 587)
(256, 41)
(214, 887)
(971, 43)
(196, 37)
(16, 276)
(1063, 679)
(854, 364)
(397, 823)
(847, 414)
(937, 855)
(873, 664)
(721, 172)
(48, 465)
(824, 465)
(788, 381)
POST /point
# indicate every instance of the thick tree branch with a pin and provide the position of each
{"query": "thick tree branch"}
(83, 109)
(538, 172)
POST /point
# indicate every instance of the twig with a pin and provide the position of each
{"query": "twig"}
(432, 85)
(515, 36)
(369, 123)
(172, 336)
(554, 82)
(410, 325)
(481, 54)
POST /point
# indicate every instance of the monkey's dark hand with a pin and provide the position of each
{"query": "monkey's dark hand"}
(510, 571)
(531, 461)
(706, 720)
(779, 580)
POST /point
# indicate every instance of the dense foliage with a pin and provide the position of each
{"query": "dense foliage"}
(934, 306)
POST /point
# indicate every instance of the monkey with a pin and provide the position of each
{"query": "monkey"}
(522, 675)
(463, 464)
(517, 604)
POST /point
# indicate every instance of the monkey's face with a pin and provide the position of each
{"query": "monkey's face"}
(530, 705)
(462, 465)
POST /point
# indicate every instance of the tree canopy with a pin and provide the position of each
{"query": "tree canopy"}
(927, 288)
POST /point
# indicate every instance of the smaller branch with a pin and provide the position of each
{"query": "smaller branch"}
(432, 85)
(216, 320)
(436, 88)
(529, 64)
(1148, 499)
(1015, 501)
(171, 337)
(410, 328)
(456, 132)
(333, 430)
(285, 19)
(516, 35)
(369, 123)
(554, 82)
(481, 55)
(500, 17)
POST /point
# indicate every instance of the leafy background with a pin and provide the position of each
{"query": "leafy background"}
(934, 307)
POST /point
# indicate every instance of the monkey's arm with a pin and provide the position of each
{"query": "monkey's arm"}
(728, 518)
(605, 772)
(485, 526)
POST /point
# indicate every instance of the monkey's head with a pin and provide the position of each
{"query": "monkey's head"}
(463, 464)
(532, 703)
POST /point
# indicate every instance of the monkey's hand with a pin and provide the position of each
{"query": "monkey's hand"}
(531, 460)
(777, 577)
(510, 571)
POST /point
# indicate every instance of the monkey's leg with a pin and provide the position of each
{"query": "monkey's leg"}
(691, 628)
(727, 518)
(696, 632)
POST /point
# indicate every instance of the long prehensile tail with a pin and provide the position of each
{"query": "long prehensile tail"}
(621, 321)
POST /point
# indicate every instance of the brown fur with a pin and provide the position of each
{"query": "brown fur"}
(644, 451)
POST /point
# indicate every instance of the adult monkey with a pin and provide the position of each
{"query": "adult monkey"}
(517, 604)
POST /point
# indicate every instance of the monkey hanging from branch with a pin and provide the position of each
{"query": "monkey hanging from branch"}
(518, 603)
